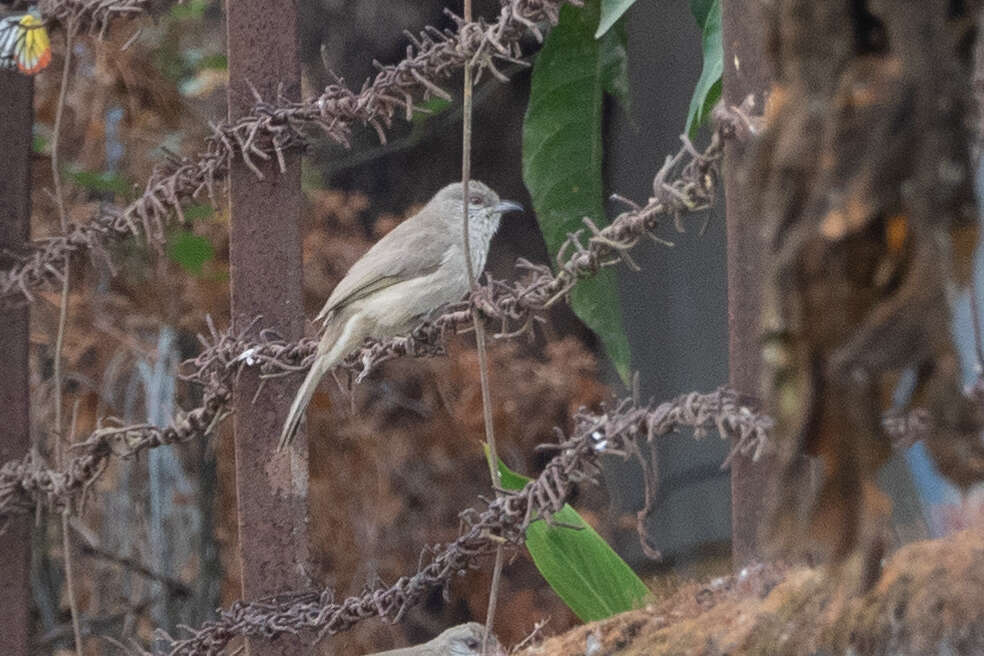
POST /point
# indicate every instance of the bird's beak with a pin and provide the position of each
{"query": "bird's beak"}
(508, 206)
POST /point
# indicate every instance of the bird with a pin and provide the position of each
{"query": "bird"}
(461, 640)
(415, 269)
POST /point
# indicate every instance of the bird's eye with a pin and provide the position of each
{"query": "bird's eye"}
(471, 643)
(475, 201)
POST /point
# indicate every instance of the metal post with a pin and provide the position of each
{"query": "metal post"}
(746, 71)
(16, 119)
(265, 268)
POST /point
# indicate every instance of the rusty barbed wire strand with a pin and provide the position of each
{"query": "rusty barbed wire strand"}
(613, 431)
(94, 16)
(27, 483)
(272, 129)
(686, 183)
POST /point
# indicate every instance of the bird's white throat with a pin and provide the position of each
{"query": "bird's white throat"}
(481, 229)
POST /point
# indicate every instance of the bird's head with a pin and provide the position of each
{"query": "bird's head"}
(485, 208)
(466, 640)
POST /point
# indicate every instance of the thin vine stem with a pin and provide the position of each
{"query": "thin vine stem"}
(69, 561)
(62, 321)
(483, 358)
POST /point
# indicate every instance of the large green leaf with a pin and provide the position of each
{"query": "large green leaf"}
(611, 11)
(578, 564)
(562, 154)
(708, 16)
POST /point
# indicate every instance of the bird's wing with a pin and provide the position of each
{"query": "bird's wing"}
(406, 252)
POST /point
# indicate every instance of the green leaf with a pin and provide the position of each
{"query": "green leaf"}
(578, 564)
(708, 90)
(101, 182)
(562, 154)
(430, 108)
(611, 11)
(217, 61)
(190, 251)
(197, 212)
(190, 10)
(39, 144)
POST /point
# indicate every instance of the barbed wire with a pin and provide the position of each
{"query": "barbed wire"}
(273, 128)
(686, 183)
(94, 16)
(616, 430)
(28, 483)
(269, 131)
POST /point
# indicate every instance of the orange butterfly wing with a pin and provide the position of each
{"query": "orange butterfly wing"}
(24, 44)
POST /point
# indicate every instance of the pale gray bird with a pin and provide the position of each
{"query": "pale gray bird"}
(461, 640)
(415, 269)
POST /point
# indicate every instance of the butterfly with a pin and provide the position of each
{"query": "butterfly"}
(24, 43)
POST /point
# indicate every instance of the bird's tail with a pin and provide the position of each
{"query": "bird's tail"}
(302, 398)
(341, 336)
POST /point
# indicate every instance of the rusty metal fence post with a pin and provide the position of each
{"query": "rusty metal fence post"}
(16, 120)
(265, 271)
(746, 71)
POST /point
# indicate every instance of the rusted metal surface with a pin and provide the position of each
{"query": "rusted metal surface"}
(265, 268)
(746, 71)
(16, 119)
